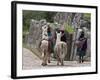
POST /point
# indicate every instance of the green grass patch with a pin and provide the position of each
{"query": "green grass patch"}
(69, 29)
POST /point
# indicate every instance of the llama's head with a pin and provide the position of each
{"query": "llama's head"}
(58, 34)
(44, 32)
(44, 28)
(43, 22)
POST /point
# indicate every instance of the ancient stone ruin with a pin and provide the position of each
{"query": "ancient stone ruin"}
(34, 37)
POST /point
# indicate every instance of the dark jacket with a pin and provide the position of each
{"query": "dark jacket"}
(84, 46)
(63, 37)
(83, 43)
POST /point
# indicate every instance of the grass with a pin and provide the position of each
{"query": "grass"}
(69, 29)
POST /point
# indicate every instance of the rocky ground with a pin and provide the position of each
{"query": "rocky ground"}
(31, 61)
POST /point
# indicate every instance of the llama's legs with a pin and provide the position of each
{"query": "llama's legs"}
(62, 62)
(49, 51)
(44, 63)
(58, 59)
(58, 63)
(48, 57)
(62, 58)
(42, 54)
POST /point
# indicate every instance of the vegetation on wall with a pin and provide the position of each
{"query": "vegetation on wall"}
(37, 15)
(49, 16)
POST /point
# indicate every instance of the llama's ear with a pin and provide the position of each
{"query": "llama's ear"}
(60, 32)
(56, 32)
(42, 27)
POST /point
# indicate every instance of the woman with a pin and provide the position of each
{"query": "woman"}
(82, 46)
(49, 42)
(63, 36)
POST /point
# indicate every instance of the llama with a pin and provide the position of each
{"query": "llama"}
(60, 49)
(44, 45)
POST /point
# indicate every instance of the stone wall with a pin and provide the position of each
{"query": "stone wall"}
(35, 32)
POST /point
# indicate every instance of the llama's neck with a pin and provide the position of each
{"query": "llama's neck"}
(58, 38)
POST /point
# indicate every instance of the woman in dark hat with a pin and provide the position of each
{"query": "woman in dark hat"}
(81, 50)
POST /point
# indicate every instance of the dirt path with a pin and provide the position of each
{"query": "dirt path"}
(31, 61)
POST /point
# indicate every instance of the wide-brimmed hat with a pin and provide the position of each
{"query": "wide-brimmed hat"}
(62, 28)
